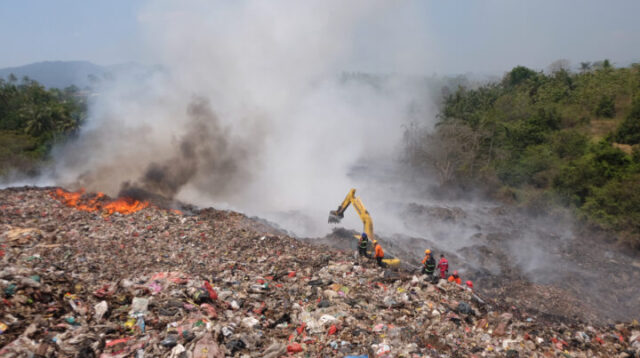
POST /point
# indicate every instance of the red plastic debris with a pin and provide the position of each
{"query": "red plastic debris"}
(116, 341)
(294, 348)
(381, 285)
(292, 274)
(301, 328)
(212, 293)
(333, 329)
(211, 311)
(103, 291)
(259, 309)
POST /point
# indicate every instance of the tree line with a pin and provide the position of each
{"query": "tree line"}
(34, 118)
(544, 140)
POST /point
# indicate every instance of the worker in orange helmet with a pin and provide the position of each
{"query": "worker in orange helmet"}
(379, 253)
(428, 263)
(455, 278)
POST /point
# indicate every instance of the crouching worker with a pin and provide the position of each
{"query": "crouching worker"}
(469, 285)
(379, 253)
(455, 278)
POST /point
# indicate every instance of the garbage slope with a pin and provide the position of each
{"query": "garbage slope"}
(156, 283)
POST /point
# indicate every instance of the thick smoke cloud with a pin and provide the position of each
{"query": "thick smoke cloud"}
(203, 153)
(255, 108)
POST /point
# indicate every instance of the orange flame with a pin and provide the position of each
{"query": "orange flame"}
(98, 202)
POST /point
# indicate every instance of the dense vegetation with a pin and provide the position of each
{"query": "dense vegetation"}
(32, 119)
(543, 140)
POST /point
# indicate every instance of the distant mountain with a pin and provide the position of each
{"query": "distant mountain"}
(61, 74)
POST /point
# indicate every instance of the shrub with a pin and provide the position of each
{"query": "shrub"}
(629, 130)
(606, 107)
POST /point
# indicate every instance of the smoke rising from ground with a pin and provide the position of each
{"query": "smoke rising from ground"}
(254, 109)
(202, 153)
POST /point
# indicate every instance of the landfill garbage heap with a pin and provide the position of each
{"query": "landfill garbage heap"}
(156, 283)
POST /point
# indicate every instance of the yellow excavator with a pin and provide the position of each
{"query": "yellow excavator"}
(336, 215)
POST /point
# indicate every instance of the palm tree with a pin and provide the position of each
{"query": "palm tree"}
(585, 66)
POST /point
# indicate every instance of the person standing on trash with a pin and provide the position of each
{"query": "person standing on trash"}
(443, 265)
(455, 278)
(379, 253)
(362, 245)
(429, 264)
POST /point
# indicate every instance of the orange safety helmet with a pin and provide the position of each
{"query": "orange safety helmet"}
(427, 251)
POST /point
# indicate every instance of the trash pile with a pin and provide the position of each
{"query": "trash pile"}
(528, 259)
(155, 283)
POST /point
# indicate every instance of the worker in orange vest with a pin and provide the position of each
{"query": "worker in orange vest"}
(379, 253)
(455, 278)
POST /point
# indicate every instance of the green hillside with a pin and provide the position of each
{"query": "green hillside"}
(32, 119)
(546, 140)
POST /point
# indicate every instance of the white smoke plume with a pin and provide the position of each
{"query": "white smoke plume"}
(253, 110)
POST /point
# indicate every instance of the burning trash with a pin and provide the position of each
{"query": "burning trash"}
(98, 202)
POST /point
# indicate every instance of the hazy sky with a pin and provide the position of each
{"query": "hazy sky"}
(462, 36)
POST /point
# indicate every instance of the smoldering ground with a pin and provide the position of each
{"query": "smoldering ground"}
(203, 155)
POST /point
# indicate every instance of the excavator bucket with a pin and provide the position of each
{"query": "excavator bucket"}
(392, 262)
(335, 217)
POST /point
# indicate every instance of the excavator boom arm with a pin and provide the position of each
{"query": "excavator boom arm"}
(364, 216)
(345, 203)
(337, 215)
